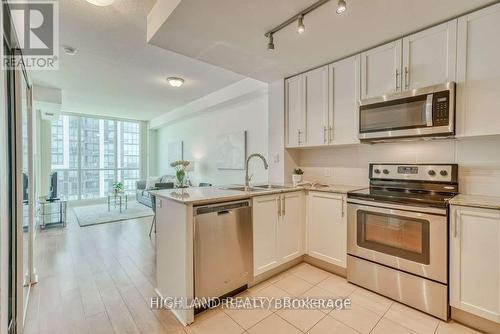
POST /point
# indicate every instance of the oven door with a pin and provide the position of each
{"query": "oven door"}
(399, 237)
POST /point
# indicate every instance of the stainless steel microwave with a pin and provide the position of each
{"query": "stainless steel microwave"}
(423, 112)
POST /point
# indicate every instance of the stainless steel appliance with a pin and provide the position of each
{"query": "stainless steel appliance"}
(397, 234)
(423, 112)
(223, 260)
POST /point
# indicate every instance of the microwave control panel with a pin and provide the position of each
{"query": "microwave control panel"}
(441, 108)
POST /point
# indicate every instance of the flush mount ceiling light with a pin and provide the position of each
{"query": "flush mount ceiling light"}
(301, 28)
(69, 50)
(341, 7)
(299, 17)
(175, 81)
(101, 3)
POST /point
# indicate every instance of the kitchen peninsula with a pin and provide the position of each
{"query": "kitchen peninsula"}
(175, 239)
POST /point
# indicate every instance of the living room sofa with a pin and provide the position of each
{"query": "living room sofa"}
(142, 194)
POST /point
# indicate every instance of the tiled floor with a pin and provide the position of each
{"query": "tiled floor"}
(100, 279)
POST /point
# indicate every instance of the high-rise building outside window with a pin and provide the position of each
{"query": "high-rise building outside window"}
(90, 154)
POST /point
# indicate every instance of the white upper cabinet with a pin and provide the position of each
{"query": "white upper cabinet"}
(475, 261)
(381, 70)
(316, 107)
(327, 228)
(295, 110)
(429, 57)
(478, 73)
(344, 97)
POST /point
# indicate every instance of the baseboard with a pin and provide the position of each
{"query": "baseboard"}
(278, 270)
(474, 321)
(334, 269)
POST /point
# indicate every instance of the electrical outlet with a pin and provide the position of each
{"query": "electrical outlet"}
(328, 172)
(276, 158)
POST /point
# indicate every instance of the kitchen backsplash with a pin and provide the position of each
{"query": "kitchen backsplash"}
(478, 159)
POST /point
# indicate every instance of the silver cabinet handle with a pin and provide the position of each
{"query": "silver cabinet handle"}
(324, 134)
(455, 224)
(298, 136)
(330, 134)
(283, 206)
(343, 213)
(278, 199)
(397, 79)
(407, 82)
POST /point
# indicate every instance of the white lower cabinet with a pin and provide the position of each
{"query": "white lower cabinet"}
(278, 229)
(475, 261)
(327, 227)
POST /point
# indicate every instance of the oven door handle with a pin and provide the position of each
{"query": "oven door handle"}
(428, 110)
(382, 207)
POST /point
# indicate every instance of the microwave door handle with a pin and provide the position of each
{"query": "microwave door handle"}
(428, 109)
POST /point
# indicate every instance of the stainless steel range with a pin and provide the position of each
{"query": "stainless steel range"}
(397, 239)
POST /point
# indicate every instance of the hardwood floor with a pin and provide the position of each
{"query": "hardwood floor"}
(96, 279)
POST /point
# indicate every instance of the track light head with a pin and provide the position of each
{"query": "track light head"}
(270, 44)
(341, 7)
(301, 28)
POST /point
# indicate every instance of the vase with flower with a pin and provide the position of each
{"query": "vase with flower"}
(180, 172)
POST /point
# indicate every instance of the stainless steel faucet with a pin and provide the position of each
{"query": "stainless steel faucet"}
(248, 178)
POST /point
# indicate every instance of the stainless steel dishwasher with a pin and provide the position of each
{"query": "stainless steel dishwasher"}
(223, 248)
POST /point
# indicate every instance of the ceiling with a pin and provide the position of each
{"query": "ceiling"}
(116, 72)
(230, 33)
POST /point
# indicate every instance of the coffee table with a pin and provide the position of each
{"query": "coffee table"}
(117, 199)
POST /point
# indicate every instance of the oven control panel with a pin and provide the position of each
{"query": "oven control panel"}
(438, 173)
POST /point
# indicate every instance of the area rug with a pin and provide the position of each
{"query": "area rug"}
(98, 214)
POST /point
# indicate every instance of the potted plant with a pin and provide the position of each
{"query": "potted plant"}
(297, 176)
(118, 187)
(180, 171)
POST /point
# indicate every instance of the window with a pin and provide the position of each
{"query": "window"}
(90, 154)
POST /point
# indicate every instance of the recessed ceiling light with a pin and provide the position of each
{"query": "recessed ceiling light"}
(175, 81)
(101, 3)
(70, 51)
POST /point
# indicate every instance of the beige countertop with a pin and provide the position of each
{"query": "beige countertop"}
(487, 202)
(206, 195)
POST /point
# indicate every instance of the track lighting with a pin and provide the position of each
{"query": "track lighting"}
(299, 18)
(301, 28)
(270, 45)
(341, 7)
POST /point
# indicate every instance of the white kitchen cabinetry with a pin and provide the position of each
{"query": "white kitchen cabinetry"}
(343, 116)
(295, 111)
(316, 107)
(278, 229)
(423, 59)
(327, 228)
(381, 70)
(429, 56)
(478, 73)
(475, 261)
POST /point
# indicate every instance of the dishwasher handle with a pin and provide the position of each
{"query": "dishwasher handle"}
(221, 208)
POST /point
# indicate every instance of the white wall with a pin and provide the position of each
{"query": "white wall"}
(478, 159)
(199, 135)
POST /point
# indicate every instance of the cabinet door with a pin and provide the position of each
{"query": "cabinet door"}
(295, 110)
(429, 57)
(344, 101)
(291, 226)
(327, 228)
(265, 223)
(316, 107)
(381, 70)
(478, 73)
(475, 261)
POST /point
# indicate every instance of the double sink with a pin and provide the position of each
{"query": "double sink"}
(258, 188)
